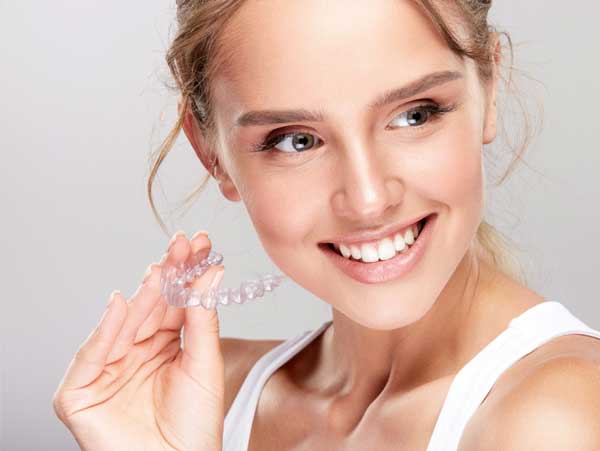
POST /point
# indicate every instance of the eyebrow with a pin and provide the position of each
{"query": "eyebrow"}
(269, 117)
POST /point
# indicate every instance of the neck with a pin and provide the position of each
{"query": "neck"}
(432, 347)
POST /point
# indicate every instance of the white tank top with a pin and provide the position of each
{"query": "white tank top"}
(470, 386)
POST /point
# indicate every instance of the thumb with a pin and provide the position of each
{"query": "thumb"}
(202, 355)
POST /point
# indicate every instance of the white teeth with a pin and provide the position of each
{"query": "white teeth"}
(369, 253)
(386, 249)
(345, 250)
(409, 237)
(381, 250)
(399, 243)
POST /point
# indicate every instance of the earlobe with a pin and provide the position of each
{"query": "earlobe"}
(205, 154)
(226, 185)
(228, 189)
(490, 131)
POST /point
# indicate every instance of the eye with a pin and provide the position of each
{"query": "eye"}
(421, 114)
(294, 142)
(299, 141)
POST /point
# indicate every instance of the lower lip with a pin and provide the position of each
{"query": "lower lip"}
(385, 270)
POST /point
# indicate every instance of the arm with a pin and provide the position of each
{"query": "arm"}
(554, 408)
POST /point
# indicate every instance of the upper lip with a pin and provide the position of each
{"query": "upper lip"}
(374, 235)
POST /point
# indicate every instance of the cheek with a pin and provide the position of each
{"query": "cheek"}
(449, 170)
(452, 176)
(284, 208)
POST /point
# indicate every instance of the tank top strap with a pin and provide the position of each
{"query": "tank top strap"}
(238, 421)
(526, 332)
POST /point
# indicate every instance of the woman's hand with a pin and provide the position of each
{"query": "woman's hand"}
(130, 386)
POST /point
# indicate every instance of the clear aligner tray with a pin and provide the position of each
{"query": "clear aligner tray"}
(176, 278)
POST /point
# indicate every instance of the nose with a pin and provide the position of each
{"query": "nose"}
(367, 188)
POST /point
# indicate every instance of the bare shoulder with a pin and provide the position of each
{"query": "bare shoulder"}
(239, 356)
(552, 403)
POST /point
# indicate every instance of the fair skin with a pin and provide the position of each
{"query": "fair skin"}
(377, 377)
(131, 385)
(392, 338)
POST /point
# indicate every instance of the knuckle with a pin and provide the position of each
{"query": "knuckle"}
(113, 370)
(161, 340)
(166, 335)
(68, 402)
(59, 405)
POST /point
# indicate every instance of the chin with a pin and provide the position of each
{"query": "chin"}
(389, 314)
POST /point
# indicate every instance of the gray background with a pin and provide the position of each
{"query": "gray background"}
(83, 103)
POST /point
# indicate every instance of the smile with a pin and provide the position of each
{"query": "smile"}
(385, 259)
(384, 249)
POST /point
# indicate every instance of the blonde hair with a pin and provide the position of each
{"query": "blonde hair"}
(196, 54)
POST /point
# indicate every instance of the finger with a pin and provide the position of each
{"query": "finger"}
(117, 374)
(173, 316)
(139, 308)
(122, 378)
(91, 357)
(179, 250)
(200, 247)
(201, 357)
(166, 354)
(151, 324)
(201, 242)
(147, 328)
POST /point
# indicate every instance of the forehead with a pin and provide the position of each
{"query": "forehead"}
(283, 53)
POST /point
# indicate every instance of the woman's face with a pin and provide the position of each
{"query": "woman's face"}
(362, 164)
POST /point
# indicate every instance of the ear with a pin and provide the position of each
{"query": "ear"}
(491, 115)
(206, 155)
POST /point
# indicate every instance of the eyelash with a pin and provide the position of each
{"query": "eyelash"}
(433, 110)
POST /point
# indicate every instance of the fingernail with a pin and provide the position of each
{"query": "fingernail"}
(112, 297)
(217, 279)
(174, 238)
(198, 233)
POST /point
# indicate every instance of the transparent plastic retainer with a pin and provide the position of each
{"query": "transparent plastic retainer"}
(176, 278)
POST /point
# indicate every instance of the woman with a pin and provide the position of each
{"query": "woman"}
(353, 132)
